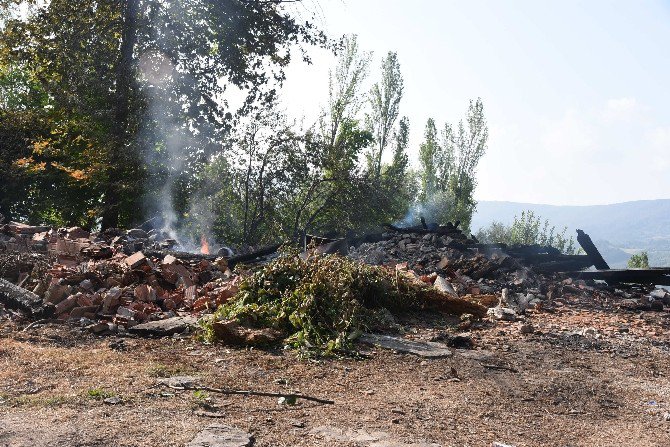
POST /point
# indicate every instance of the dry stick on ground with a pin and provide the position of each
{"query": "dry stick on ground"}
(499, 367)
(252, 393)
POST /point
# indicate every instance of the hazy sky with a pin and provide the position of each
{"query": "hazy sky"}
(575, 92)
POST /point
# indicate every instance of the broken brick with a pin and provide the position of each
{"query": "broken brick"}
(135, 260)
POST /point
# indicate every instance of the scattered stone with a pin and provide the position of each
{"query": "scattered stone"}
(179, 382)
(459, 341)
(444, 262)
(169, 326)
(444, 286)
(503, 313)
(656, 305)
(526, 328)
(77, 233)
(136, 260)
(98, 328)
(114, 400)
(220, 435)
(362, 437)
(420, 348)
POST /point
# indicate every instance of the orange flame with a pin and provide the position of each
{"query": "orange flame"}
(204, 245)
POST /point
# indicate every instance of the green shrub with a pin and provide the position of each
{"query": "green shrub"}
(528, 229)
(320, 303)
(639, 261)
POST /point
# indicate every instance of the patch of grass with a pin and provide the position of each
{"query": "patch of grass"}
(201, 400)
(57, 401)
(42, 401)
(99, 394)
(200, 395)
(162, 371)
(321, 303)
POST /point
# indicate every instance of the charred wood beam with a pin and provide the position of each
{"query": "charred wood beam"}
(656, 276)
(530, 250)
(341, 246)
(310, 239)
(589, 247)
(485, 247)
(561, 265)
(580, 261)
(18, 298)
(446, 230)
(253, 256)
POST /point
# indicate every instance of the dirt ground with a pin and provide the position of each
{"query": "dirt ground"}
(586, 377)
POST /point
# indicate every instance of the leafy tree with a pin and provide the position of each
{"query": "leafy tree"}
(429, 159)
(385, 99)
(400, 186)
(102, 64)
(463, 148)
(448, 167)
(344, 86)
(639, 261)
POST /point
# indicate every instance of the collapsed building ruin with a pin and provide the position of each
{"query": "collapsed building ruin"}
(116, 281)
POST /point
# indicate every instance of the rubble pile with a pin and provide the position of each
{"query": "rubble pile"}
(117, 280)
(463, 267)
(75, 240)
(104, 280)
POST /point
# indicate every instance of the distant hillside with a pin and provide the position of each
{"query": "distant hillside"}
(630, 226)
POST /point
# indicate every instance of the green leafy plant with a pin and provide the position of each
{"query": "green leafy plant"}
(639, 261)
(320, 303)
(99, 394)
(528, 229)
(200, 395)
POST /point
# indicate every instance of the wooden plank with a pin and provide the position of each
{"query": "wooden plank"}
(591, 251)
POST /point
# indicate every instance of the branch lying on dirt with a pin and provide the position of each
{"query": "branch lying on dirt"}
(499, 367)
(289, 396)
(43, 322)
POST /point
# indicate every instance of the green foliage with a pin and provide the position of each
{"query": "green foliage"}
(111, 108)
(200, 395)
(385, 99)
(448, 167)
(321, 303)
(429, 153)
(128, 81)
(99, 394)
(496, 233)
(528, 229)
(278, 182)
(639, 261)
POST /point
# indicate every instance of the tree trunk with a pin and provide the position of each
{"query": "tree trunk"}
(124, 79)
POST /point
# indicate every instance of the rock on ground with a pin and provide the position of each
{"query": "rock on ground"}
(220, 435)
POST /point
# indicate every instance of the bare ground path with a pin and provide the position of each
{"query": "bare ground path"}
(555, 388)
